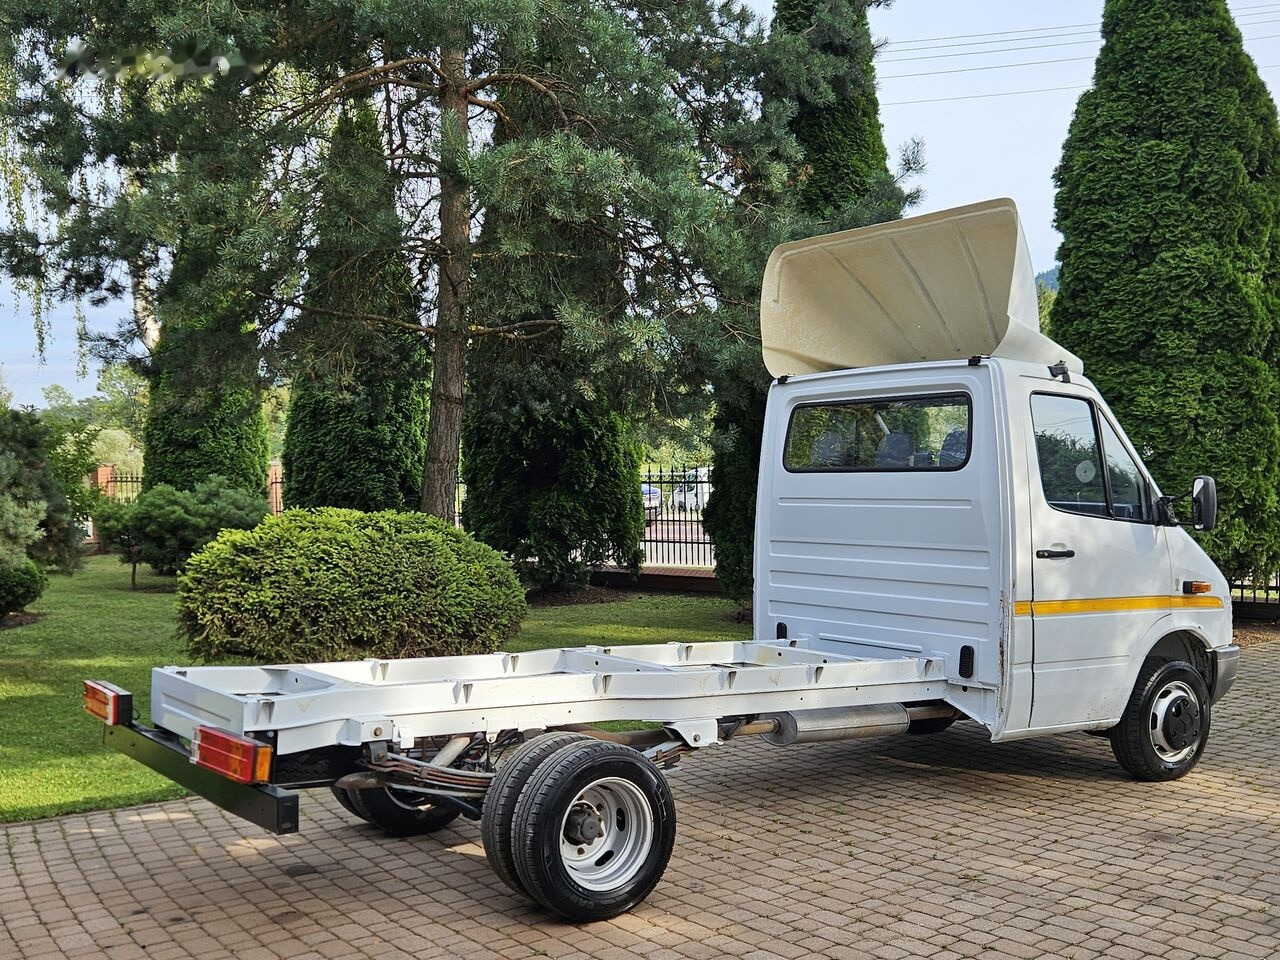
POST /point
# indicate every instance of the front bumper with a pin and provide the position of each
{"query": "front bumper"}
(1226, 664)
(267, 806)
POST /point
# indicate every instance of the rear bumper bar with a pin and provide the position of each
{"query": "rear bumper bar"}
(266, 806)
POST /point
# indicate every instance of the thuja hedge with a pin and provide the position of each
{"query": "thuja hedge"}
(336, 584)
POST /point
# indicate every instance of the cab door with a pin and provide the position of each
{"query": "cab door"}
(1100, 567)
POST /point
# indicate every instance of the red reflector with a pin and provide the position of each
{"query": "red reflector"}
(109, 703)
(236, 758)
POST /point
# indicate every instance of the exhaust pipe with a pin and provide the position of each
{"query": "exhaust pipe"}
(847, 723)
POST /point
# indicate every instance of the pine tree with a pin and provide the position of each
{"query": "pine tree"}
(550, 465)
(1168, 203)
(824, 70)
(356, 434)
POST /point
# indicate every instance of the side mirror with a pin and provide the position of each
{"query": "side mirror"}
(1204, 499)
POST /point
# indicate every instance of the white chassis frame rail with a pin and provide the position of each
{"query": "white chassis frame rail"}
(686, 685)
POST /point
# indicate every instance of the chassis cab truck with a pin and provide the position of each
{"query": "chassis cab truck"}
(951, 525)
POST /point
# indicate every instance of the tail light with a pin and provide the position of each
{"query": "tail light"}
(234, 757)
(111, 704)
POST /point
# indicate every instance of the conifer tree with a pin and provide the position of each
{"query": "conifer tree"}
(356, 433)
(1168, 203)
(823, 70)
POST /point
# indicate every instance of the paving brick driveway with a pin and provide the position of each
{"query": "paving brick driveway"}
(932, 847)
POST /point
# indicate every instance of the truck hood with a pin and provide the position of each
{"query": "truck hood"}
(944, 286)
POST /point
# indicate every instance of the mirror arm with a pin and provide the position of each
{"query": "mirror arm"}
(1163, 503)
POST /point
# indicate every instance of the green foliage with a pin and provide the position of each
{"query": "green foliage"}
(730, 514)
(31, 492)
(192, 435)
(334, 584)
(357, 425)
(120, 402)
(72, 452)
(552, 476)
(1168, 200)
(837, 122)
(20, 585)
(164, 526)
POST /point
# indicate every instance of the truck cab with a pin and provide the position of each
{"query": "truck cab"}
(940, 479)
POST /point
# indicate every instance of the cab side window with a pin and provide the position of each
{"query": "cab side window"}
(1080, 471)
(1068, 450)
(1128, 490)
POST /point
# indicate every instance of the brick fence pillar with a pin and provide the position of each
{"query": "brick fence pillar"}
(275, 486)
(104, 478)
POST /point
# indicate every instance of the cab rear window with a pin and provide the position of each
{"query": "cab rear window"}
(889, 434)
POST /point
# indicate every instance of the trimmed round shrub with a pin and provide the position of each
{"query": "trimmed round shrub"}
(336, 584)
(20, 586)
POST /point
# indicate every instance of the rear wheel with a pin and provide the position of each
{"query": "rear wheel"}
(343, 796)
(500, 801)
(593, 831)
(1165, 725)
(401, 813)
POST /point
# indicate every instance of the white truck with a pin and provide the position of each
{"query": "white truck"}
(951, 526)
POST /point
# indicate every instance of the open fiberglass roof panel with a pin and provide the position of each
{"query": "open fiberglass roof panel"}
(944, 286)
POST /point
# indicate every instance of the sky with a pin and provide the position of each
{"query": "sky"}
(989, 86)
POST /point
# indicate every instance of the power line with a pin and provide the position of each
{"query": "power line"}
(1061, 26)
(1043, 46)
(987, 53)
(1022, 63)
(997, 66)
(895, 46)
(1012, 93)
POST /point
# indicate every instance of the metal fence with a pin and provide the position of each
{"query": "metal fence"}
(674, 498)
(1257, 600)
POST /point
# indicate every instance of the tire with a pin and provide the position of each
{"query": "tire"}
(1165, 725)
(504, 792)
(929, 725)
(593, 830)
(344, 797)
(400, 813)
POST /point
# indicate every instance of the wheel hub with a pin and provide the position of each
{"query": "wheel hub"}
(583, 825)
(1182, 723)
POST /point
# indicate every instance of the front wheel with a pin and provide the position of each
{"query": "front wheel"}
(1165, 725)
(593, 831)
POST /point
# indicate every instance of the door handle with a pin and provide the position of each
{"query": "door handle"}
(1055, 554)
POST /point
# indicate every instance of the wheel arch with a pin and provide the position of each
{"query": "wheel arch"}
(1169, 638)
(1184, 643)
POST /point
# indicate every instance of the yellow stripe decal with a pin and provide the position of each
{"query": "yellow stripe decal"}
(1049, 608)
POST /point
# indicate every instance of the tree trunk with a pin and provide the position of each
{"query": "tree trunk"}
(444, 428)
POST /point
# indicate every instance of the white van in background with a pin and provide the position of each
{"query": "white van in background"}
(691, 493)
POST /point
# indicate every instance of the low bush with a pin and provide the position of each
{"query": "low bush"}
(20, 585)
(336, 584)
(164, 526)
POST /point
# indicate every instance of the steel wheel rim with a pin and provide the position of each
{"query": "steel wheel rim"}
(619, 810)
(1169, 698)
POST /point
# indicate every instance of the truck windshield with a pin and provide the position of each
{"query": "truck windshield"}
(893, 433)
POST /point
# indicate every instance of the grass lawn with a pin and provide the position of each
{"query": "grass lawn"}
(51, 755)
